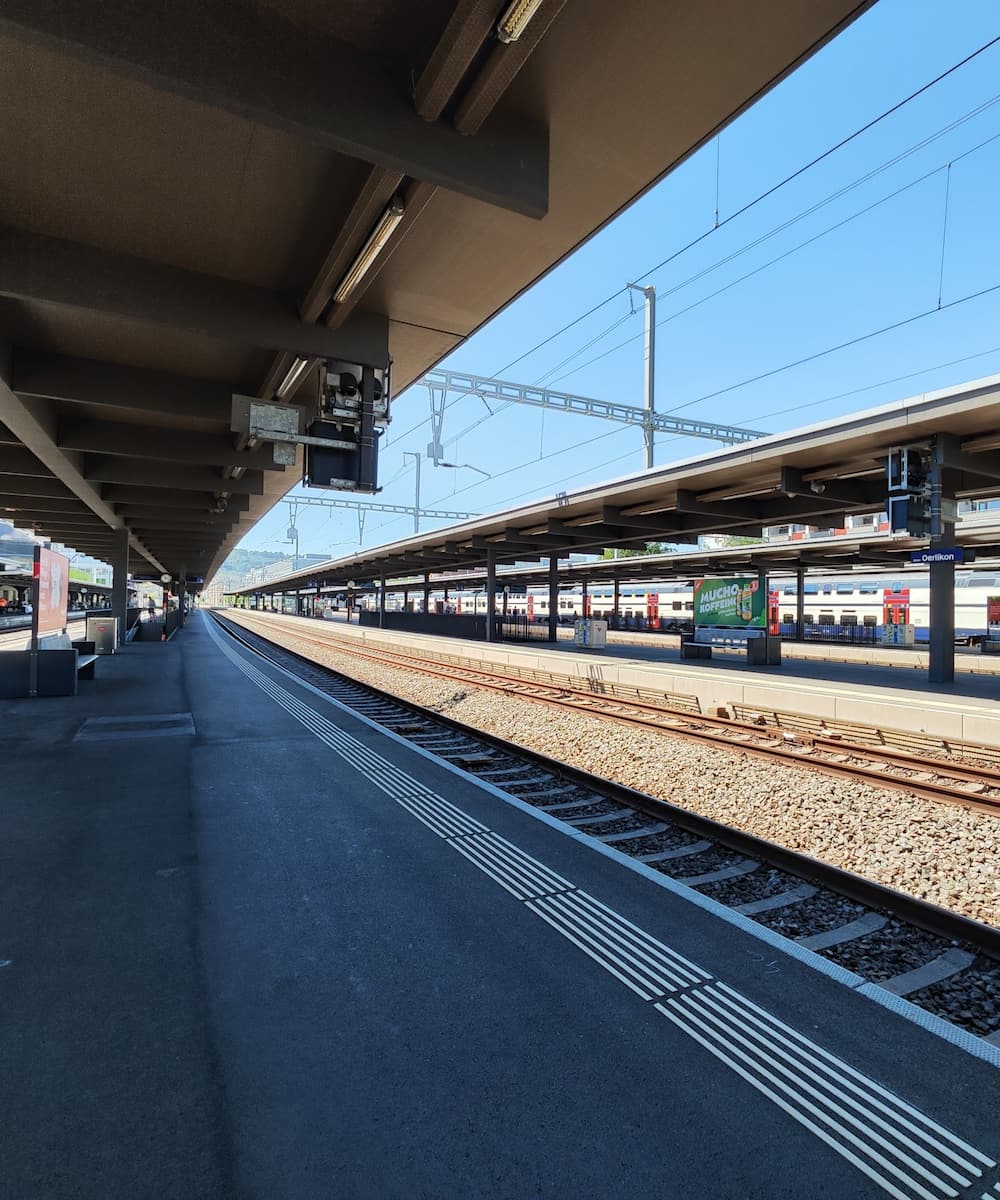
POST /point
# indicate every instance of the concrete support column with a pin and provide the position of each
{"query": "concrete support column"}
(119, 579)
(182, 596)
(381, 602)
(553, 598)
(491, 596)
(800, 604)
(614, 601)
(583, 600)
(427, 592)
(406, 599)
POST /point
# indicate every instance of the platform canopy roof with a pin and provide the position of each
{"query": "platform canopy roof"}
(812, 476)
(186, 184)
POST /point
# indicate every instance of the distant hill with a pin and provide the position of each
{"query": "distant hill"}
(241, 561)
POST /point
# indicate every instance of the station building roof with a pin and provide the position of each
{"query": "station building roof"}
(815, 475)
(186, 185)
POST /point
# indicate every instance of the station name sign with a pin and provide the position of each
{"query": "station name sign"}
(942, 554)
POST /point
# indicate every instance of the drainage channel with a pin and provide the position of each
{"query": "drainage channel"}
(944, 963)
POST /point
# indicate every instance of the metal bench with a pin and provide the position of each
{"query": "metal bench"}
(761, 650)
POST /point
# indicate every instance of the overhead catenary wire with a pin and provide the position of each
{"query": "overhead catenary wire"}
(768, 192)
(800, 216)
(717, 224)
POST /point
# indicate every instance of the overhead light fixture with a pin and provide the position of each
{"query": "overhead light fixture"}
(293, 376)
(516, 20)
(387, 222)
(237, 472)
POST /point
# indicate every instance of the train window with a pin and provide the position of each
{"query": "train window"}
(848, 618)
(677, 606)
(869, 619)
(827, 589)
(845, 589)
(811, 589)
(789, 589)
(689, 606)
(827, 618)
(868, 589)
(807, 618)
(788, 618)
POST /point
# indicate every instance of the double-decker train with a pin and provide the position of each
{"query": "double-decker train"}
(840, 604)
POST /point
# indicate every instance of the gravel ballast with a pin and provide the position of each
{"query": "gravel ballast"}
(939, 853)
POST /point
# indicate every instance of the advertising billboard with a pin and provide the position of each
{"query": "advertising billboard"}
(52, 591)
(733, 603)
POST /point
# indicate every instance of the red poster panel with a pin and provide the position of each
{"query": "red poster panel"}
(896, 607)
(653, 609)
(773, 616)
(458, 604)
(587, 600)
(52, 591)
(531, 607)
(993, 610)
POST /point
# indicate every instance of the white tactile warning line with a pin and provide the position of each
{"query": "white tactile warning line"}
(908, 1154)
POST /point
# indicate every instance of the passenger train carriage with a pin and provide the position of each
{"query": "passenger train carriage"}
(837, 605)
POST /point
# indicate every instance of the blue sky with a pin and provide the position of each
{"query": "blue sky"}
(860, 271)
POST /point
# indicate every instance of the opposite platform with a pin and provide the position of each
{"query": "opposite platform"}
(886, 697)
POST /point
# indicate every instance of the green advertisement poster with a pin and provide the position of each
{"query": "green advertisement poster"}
(737, 603)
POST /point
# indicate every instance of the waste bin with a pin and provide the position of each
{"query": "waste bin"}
(103, 632)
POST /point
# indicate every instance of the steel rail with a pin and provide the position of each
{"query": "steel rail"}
(801, 750)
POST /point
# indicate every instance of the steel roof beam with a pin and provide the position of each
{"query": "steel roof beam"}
(38, 268)
(99, 468)
(158, 498)
(161, 445)
(109, 385)
(35, 426)
(317, 88)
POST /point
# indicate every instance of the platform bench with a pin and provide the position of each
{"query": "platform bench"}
(86, 657)
(761, 651)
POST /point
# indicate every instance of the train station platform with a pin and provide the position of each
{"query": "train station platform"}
(855, 692)
(252, 945)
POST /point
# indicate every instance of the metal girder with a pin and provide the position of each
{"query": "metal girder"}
(44, 504)
(673, 522)
(469, 26)
(173, 516)
(244, 58)
(18, 460)
(851, 493)
(106, 469)
(501, 391)
(985, 464)
(40, 486)
(500, 68)
(161, 445)
(53, 271)
(86, 381)
(192, 523)
(160, 499)
(373, 506)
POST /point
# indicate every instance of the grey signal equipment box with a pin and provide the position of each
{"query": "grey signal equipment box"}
(103, 632)
(907, 487)
(342, 446)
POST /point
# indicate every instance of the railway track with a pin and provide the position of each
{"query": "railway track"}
(969, 784)
(944, 963)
